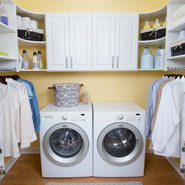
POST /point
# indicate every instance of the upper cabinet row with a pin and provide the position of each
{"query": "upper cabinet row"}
(96, 41)
(92, 41)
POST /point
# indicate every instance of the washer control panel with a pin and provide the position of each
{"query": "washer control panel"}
(129, 117)
(77, 118)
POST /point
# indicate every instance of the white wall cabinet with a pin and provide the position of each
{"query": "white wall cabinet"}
(94, 42)
(103, 41)
(80, 41)
(115, 38)
(127, 25)
(57, 45)
(68, 41)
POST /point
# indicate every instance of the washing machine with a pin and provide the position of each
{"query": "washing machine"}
(66, 141)
(119, 140)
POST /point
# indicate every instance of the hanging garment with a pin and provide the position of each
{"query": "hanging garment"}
(162, 84)
(34, 105)
(25, 127)
(9, 104)
(150, 107)
(166, 133)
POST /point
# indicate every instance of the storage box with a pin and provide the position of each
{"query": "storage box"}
(67, 94)
(30, 34)
(178, 47)
(153, 33)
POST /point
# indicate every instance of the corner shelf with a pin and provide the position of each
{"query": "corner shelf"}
(33, 15)
(7, 59)
(177, 25)
(6, 29)
(23, 42)
(160, 13)
(32, 70)
(150, 70)
(156, 42)
(179, 58)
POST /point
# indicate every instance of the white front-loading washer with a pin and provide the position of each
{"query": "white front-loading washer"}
(66, 141)
(119, 140)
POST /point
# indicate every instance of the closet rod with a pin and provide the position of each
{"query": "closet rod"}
(175, 68)
(7, 69)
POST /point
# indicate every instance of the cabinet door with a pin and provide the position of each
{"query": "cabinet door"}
(80, 41)
(127, 25)
(103, 41)
(57, 36)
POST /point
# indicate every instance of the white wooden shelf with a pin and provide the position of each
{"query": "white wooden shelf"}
(33, 15)
(5, 29)
(177, 25)
(25, 43)
(32, 70)
(160, 14)
(7, 59)
(156, 42)
(179, 57)
(150, 70)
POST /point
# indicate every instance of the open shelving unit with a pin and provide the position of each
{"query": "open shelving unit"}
(25, 44)
(172, 35)
(28, 43)
(6, 29)
(156, 42)
(33, 70)
(152, 44)
(8, 38)
(7, 58)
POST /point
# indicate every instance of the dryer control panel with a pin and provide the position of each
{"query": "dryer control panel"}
(77, 118)
(130, 117)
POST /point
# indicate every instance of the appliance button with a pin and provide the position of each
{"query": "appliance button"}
(65, 117)
(120, 117)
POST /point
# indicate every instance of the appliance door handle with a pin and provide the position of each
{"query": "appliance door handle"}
(112, 62)
(71, 62)
(117, 62)
(67, 62)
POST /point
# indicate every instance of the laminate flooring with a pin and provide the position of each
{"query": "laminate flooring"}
(27, 171)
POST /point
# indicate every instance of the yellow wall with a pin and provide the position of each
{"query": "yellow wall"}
(102, 86)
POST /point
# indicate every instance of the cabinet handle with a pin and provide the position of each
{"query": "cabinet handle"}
(71, 62)
(117, 62)
(112, 62)
(67, 62)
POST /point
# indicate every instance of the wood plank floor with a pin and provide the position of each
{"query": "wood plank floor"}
(27, 171)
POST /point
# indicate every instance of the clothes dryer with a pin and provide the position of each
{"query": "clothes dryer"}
(66, 141)
(119, 140)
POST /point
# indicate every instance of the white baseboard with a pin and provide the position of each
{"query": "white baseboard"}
(30, 151)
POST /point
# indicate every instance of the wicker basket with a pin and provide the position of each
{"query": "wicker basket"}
(67, 94)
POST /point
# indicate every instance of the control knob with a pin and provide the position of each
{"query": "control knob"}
(120, 117)
(65, 117)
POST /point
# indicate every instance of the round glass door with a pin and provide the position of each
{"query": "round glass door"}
(65, 144)
(120, 144)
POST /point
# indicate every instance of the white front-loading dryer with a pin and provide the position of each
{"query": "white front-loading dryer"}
(119, 140)
(66, 141)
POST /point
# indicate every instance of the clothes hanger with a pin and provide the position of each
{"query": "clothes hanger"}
(3, 80)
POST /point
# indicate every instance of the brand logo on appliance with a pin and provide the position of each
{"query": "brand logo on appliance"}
(64, 126)
(121, 125)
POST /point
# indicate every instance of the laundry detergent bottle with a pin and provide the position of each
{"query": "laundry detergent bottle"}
(146, 59)
(159, 59)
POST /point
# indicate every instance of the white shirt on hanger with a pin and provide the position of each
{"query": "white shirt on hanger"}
(25, 126)
(9, 103)
(166, 133)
